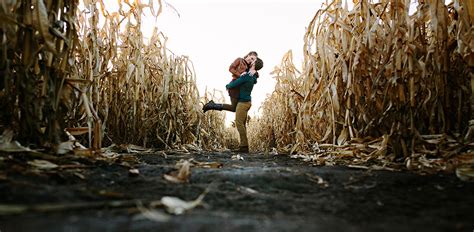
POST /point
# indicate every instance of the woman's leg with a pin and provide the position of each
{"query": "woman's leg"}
(240, 120)
(211, 105)
(232, 107)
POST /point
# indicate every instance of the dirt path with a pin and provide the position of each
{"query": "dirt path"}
(259, 193)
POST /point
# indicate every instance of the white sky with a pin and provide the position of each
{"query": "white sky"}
(214, 33)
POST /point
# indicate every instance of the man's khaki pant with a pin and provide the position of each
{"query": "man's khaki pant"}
(240, 121)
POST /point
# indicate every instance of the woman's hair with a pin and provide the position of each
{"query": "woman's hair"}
(254, 53)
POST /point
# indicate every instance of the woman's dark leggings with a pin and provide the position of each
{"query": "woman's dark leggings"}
(232, 106)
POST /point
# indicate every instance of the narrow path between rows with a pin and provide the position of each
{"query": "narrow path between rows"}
(258, 193)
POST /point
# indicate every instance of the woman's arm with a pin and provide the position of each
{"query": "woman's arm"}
(234, 67)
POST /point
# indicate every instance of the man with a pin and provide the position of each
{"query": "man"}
(245, 84)
(237, 68)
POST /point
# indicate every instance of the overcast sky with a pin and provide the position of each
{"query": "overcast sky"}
(213, 33)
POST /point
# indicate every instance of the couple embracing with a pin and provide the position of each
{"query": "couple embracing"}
(244, 77)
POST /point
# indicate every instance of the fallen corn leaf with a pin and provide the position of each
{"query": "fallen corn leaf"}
(133, 172)
(177, 206)
(237, 157)
(42, 164)
(180, 176)
(465, 173)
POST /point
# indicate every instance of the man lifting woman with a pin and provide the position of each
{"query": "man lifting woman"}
(244, 77)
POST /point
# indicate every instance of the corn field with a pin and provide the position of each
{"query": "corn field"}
(376, 83)
(75, 71)
(38, 40)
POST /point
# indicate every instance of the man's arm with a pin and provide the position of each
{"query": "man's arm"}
(237, 82)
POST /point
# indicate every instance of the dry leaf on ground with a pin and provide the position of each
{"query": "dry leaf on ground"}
(237, 157)
(182, 174)
(177, 206)
(42, 164)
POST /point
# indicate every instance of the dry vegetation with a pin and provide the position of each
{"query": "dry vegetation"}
(377, 84)
(216, 135)
(90, 72)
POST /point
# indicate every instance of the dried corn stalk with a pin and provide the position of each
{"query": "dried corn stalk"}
(91, 71)
(37, 40)
(377, 72)
(143, 93)
(280, 110)
(214, 134)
